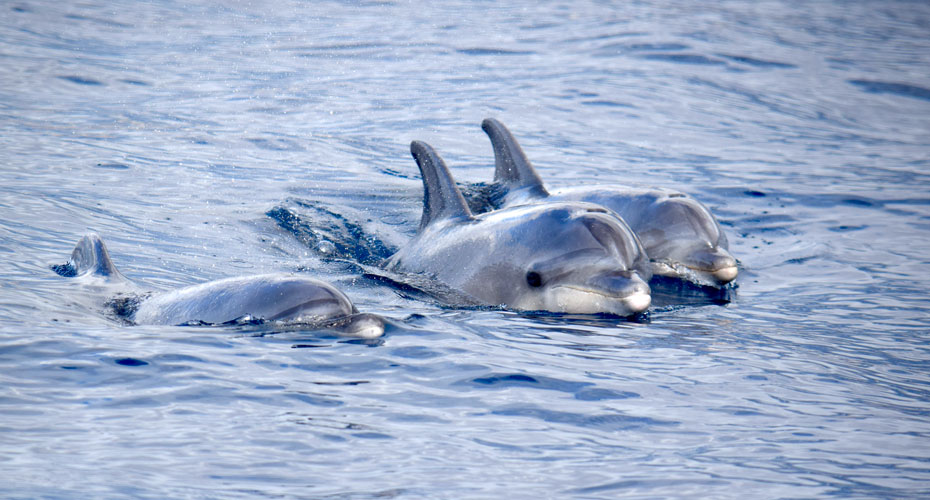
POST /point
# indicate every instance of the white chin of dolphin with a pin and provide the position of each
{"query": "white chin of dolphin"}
(575, 300)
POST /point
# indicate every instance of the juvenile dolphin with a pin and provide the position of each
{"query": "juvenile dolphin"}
(269, 297)
(566, 257)
(680, 235)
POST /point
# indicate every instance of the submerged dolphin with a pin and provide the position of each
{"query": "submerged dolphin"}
(680, 235)
(270, 297)
(562, 257)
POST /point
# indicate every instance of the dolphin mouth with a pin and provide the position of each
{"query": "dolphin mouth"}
(715, 263)
(618, 292)
(583, 300)
(714, 267)
(719, 276)
(701, 276)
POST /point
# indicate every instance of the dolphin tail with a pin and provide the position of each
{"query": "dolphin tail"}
(511, 166)
(441, 197)
(90, 257)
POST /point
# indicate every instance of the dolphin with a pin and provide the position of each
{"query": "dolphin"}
(270, 297)
(681, 236)
(567, 257)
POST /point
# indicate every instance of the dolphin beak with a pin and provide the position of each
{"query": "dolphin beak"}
(725, 275)
(632, 291)
(638, 302)
(716, 262)
(361, 325)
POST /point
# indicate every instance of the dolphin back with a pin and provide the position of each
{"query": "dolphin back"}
(441, 197)
(90, 258)
(511, 166)
(270, 297)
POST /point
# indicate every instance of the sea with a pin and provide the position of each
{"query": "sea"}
(210, 139)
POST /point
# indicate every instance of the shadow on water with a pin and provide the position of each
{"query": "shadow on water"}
(669, 293)
(901, 89)
(598, 320)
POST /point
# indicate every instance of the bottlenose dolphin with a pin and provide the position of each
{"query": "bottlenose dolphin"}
(566, 257)
(681, 236)
(270, 297)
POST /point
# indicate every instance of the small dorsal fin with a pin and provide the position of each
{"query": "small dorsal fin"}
(90, 257)
(441, 197)
(511, 166)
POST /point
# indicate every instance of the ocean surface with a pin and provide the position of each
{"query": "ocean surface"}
(205, 140)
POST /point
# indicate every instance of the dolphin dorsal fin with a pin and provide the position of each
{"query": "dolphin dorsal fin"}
(90, 257)
(441, 197)
(511, 166)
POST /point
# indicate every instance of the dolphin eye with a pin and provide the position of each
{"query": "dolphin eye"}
(533, 279)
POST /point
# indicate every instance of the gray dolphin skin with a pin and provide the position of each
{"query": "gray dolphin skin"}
(681, 236)
(568, 257)
(271, 297)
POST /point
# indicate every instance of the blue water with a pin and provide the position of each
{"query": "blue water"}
(174, 128)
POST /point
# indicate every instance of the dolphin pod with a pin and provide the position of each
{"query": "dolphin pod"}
(582, 250)
(570, 257)
(270, 297)
(680, 235)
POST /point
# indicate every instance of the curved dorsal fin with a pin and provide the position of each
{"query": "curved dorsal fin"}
(511, 166)
(90, 256)
(441, 197)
